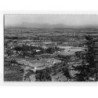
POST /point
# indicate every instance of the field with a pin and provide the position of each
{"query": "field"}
(55, 54)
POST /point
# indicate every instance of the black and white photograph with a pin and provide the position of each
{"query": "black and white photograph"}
(50, 47)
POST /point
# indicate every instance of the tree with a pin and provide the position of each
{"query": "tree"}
(88, 68)
(43, 75)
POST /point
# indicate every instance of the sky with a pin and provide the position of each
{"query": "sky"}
(51, 19)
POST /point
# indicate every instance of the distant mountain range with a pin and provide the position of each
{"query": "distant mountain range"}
(52, 26)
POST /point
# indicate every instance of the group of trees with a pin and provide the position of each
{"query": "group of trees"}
(87, 70)
(32, 50)
(43, 75)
